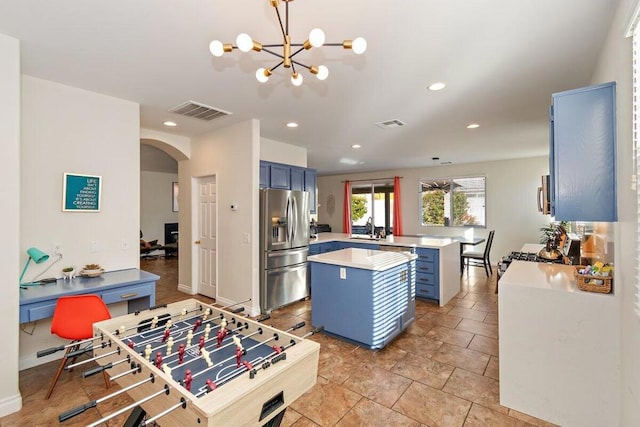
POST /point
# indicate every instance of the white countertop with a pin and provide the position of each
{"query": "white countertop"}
(366, 259)
(540, 275)
(419, 242)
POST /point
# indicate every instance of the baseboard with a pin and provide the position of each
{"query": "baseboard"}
(186, 289)
(248, 309)
(11, 404)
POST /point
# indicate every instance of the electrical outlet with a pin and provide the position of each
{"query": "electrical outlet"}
(57, 249)
(343, 273)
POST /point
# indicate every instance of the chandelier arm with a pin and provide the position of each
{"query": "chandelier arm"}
(301, 64)
(279, 64)
(272, 53)
(273, 45)
(286, 18)
(280, 21)
(332, 44)
(296, 52)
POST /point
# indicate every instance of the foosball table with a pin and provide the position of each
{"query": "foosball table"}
(190, 363)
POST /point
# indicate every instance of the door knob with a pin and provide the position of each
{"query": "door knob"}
(197, 242)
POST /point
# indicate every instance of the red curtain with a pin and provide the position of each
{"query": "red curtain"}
(397, 208)
(346, 209)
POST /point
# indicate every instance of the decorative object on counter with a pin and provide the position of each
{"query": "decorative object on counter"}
(68, 273)
(91, 270)
(594, 278)
(316, 39)
(553, 235)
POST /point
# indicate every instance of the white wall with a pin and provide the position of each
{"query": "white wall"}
(156, 203)
(279, 152)
(232, 155)
(65, 129)
(10, 399)
(615, 64)
(511, 200)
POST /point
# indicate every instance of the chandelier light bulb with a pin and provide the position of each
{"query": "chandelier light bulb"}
(262, 75)
(296, 79)
(316, 37)
(244, 42)
(216, 48)
(359, 45)
(323, 72)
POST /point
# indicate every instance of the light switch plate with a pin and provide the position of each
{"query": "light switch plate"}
(343, 273)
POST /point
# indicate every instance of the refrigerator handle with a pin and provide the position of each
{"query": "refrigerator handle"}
(295, 219)
(288, 215)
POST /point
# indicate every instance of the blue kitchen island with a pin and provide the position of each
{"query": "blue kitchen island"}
(363, 295)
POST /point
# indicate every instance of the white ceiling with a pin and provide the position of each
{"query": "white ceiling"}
(501, 60)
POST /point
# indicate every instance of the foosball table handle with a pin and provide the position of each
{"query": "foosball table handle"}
(76, 411)
(49, 351)
(97, 370)
(298, 326)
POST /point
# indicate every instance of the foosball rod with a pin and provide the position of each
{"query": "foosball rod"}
(165, 390)
(182, 404)
(92, 359)
(92, 404)
(52, 350)
(109, 365)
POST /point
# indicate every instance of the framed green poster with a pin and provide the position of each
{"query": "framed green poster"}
(81, 193)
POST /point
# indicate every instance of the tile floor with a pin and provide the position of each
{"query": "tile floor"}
(442, 371)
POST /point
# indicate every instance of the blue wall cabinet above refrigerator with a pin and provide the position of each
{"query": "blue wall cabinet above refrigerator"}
(583, 154)
(289, 177)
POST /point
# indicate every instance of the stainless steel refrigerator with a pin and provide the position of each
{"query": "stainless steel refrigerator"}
(284, 245)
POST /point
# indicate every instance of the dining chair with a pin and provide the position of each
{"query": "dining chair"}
(73, 319)
(478, 258)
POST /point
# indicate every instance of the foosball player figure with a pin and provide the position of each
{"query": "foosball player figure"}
(277, 349)
(222, 332)
(158, 360)
(181, 353)
(187, 379)
(154, 322)
(211, 385)
(166, 335)
(239, 350)
(131, 344)
(201, 343)
(207, 331)
(197, 324)
(189, 338)
(207, 312)
(169, 346)
(147, 352)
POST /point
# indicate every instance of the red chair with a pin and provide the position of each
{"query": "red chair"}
(73, 320)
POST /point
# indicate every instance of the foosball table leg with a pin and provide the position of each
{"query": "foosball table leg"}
(275, 421)
(136, 418)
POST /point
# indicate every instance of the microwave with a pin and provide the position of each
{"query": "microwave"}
(544, 196)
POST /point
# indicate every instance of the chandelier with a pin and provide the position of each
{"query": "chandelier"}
(245, 43)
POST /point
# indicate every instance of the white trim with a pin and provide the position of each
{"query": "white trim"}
(633, 21)
(10, 404)
(634, 30)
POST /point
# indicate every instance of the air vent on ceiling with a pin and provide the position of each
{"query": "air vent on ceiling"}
(388, 124)
(198, 111)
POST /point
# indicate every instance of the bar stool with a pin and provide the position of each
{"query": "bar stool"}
(73, 320)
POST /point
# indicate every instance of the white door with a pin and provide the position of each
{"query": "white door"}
(206, 240)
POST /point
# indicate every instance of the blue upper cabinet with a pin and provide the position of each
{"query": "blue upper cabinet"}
(310, 185)
(280, 176)
(297, 178)
(288, 177)
(583, 154)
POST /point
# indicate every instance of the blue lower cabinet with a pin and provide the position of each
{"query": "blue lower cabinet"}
(427, 274)
(366, 306)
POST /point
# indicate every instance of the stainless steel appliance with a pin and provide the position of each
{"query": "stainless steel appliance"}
(284, 245)
(544, 196)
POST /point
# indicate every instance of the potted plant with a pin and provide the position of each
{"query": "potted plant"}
(68, 272)
(552, 235)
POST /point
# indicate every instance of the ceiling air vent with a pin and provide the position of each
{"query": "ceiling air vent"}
(198, 111)
(388, 124)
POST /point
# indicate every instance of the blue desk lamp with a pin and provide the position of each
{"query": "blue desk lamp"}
(38, 257)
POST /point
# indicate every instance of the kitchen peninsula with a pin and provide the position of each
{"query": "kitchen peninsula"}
(437, 265)
(559, 348)
(363, 295)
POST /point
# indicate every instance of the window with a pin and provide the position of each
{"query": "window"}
(371, 208)
(453, 202)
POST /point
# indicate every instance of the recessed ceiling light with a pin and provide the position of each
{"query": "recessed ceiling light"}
(170, 124)
(356, 146)
(437, 86)
(292, 125)
(473, 126)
